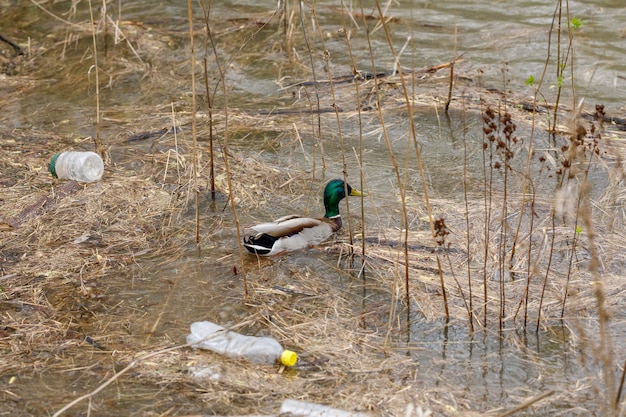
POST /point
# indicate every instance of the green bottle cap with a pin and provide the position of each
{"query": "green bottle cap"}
(52, 165)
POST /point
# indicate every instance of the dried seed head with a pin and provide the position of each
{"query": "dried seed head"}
(441, 230)
(599, 114)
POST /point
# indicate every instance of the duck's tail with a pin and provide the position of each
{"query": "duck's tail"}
(260, 244)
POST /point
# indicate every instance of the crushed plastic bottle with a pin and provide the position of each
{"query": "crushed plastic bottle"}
(78, 166)
(297, 408)
(262, 350)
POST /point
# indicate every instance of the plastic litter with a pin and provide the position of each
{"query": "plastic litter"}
(297, 408)
(78, 166)
(263, 350)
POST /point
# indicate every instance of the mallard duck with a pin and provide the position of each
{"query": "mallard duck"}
(291, 233)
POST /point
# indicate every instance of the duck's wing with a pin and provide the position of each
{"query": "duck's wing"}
(288, 226)
(288, 234)
(307, 237)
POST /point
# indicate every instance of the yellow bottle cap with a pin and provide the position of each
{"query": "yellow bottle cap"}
(288, 358)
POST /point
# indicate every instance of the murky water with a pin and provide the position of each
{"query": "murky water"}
(478, 372)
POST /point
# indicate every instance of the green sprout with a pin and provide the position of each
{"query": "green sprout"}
(576, 23)
(530, 81)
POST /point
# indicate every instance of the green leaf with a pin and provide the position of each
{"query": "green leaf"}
(530, 81)
(576, 23)
(579, 230)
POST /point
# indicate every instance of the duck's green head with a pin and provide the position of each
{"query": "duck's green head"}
(334, 192)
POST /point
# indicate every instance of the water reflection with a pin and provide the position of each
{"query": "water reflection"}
(478, 367)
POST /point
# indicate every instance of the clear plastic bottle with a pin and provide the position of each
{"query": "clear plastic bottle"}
(297, 408)
(264, 350)
(78, 166)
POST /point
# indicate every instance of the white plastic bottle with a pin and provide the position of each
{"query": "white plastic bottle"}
(78, 166)
(298, 408)
(264, 350)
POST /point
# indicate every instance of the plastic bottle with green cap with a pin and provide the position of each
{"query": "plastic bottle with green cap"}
(262, 350)
(78, 166)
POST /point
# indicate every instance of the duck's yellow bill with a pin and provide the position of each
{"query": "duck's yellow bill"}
(357, 193)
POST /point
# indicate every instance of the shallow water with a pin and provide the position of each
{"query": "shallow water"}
(480, 371)
(467, 371)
